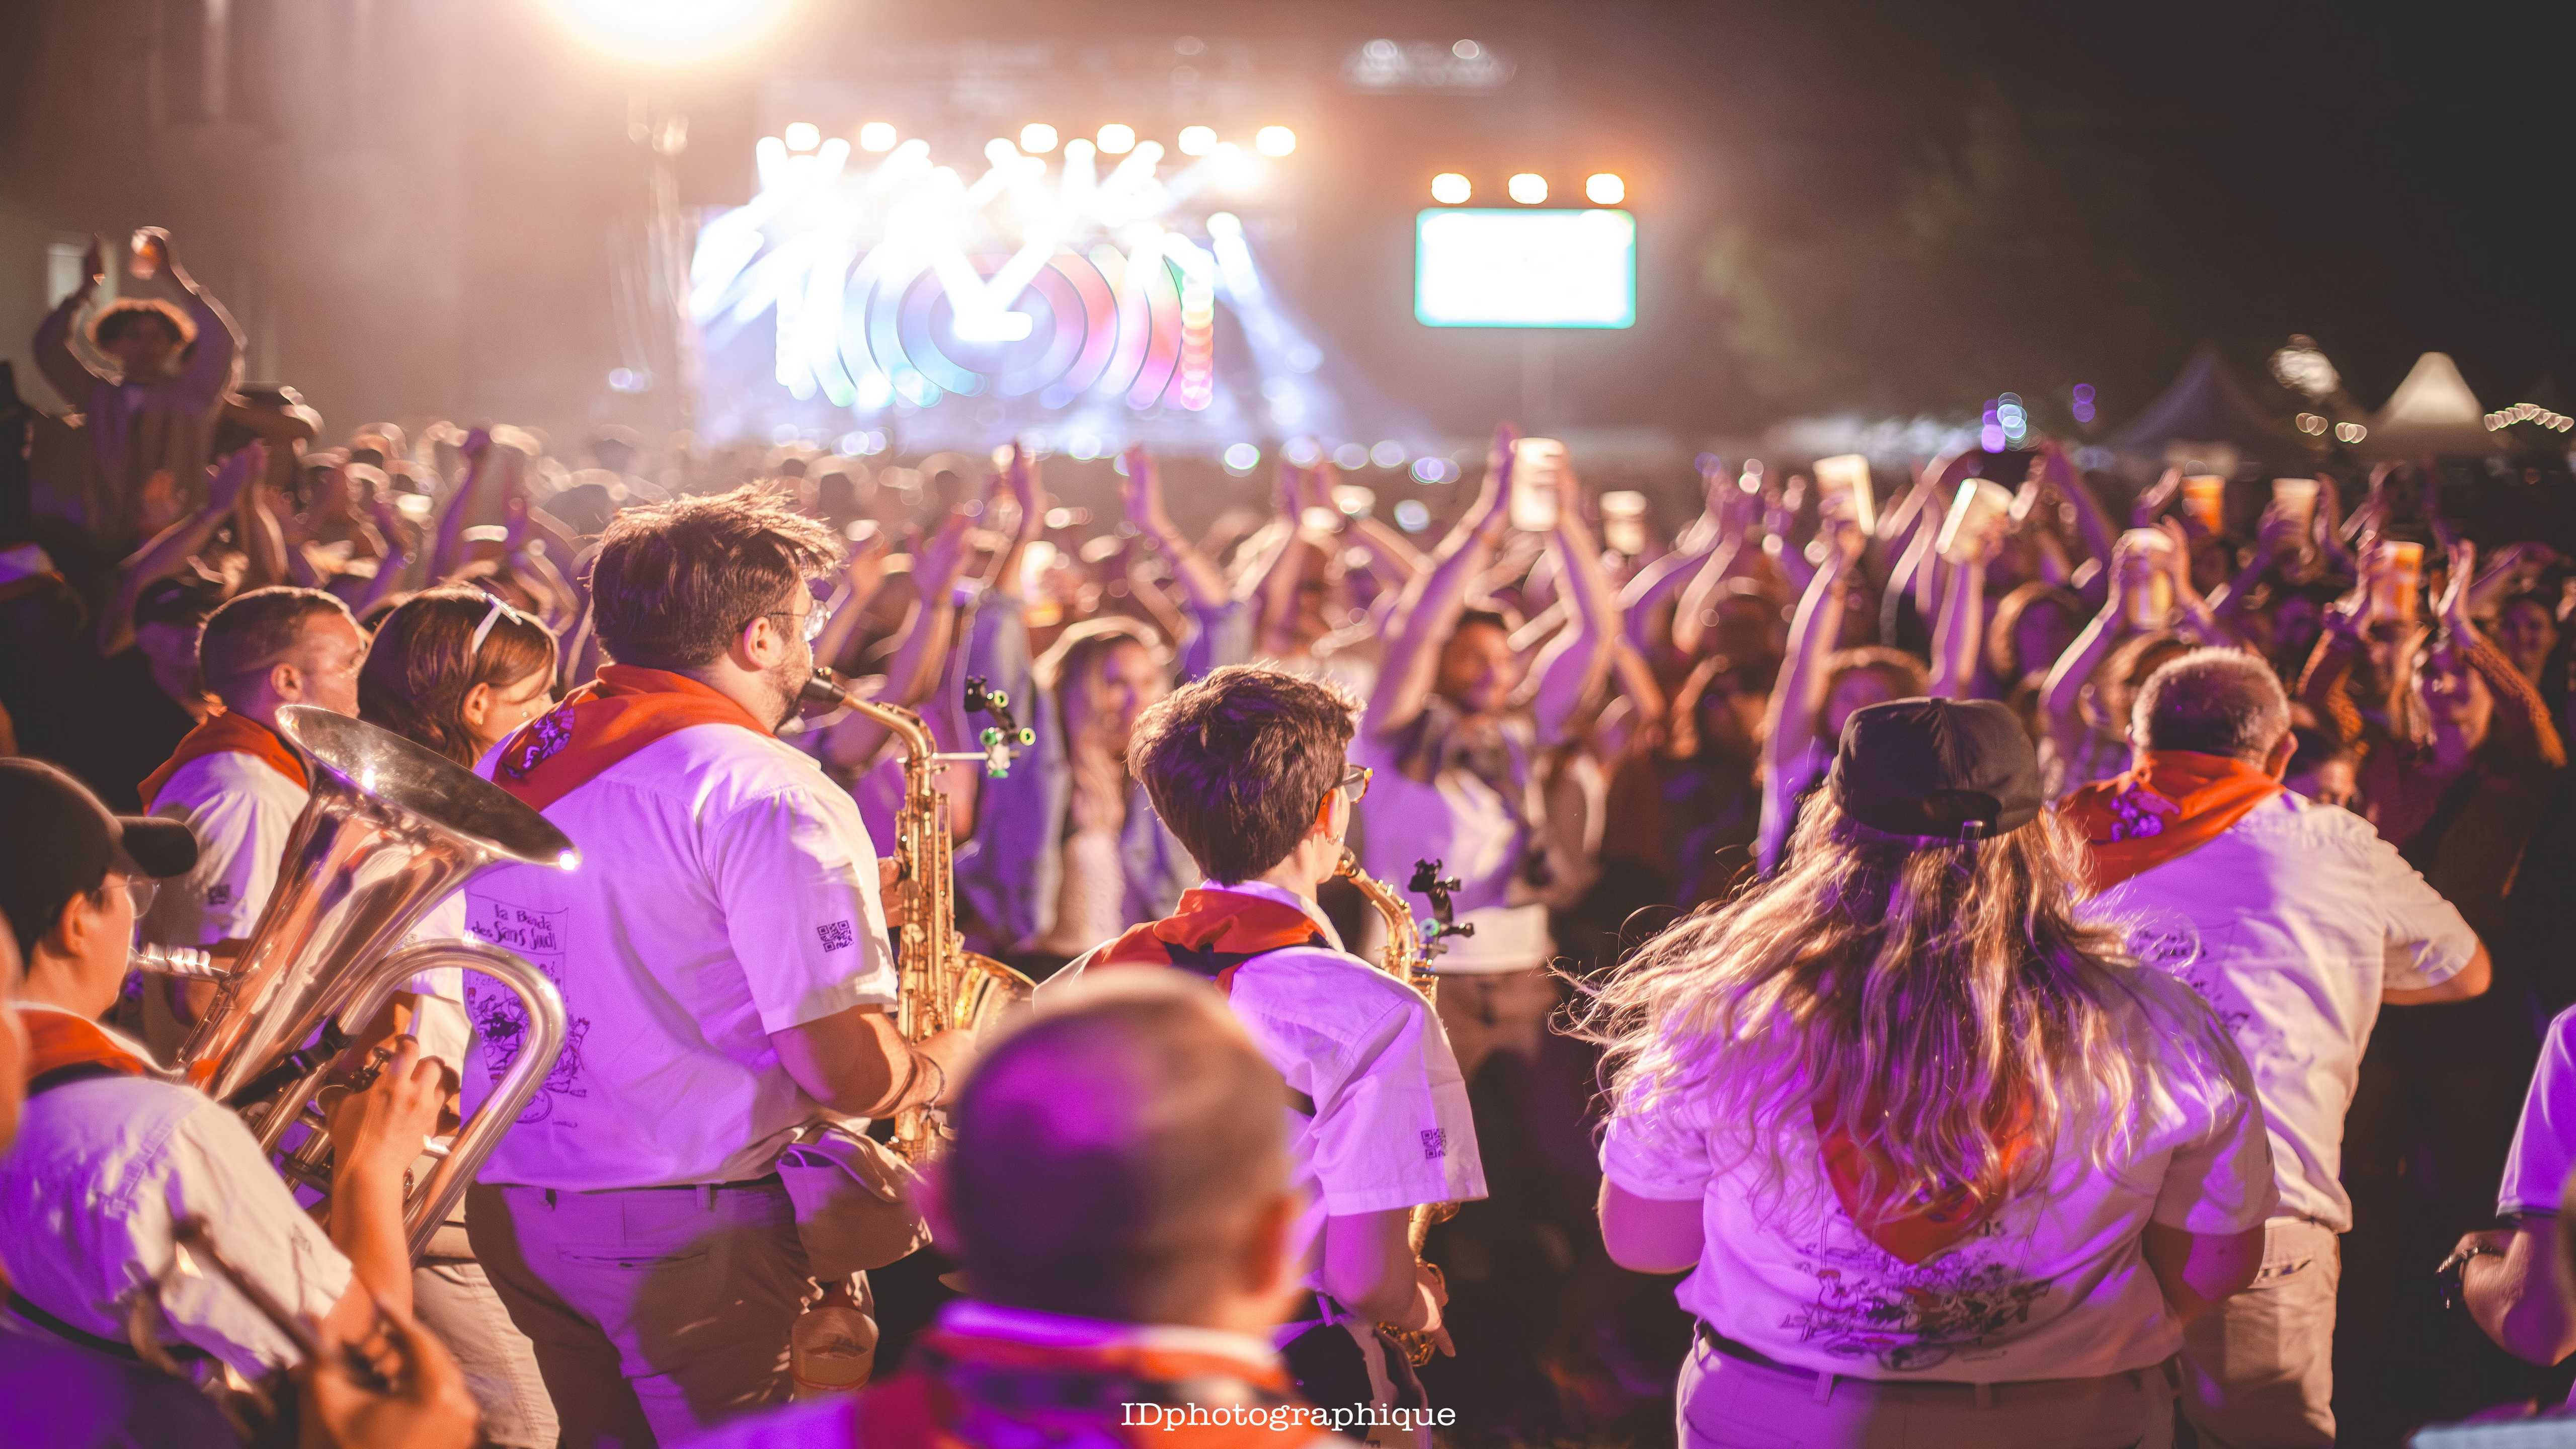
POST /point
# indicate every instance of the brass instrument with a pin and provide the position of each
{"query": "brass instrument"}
(943, 984)
(1407, 957)
(389, 831)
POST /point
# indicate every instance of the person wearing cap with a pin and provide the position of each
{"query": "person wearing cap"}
(110, 1154)
(2296, 922)
(236, 781)
(1945, 1167)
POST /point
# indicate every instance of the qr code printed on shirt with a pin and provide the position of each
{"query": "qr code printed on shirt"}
(1435, 1144)
(836, 936)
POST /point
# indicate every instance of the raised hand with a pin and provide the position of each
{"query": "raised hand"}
(428, 1407)
(2152, 503)
(1142, 494)
(94, 263)
(937, 564)
(224, 486)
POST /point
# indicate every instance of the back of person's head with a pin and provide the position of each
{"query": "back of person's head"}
(426, 660)
(1116, 1152)
(254, 631)
(2212, 702)
(1238, 764)
(674, 582)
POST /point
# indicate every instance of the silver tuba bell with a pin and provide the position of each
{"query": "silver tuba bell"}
(390, 830)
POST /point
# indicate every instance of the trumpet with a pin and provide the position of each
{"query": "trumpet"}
(943, 984)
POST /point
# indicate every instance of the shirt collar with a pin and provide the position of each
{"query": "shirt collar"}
(123, 1042)
(1056, 1330)
(1268, 892)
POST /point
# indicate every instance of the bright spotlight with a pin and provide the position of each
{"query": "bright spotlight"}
(1197, 140)
(877, 136)
(1274, 140)
(1528, 188)
(1451, 189)
(803, 136)
(669, 30)
(1037, 138)
(1117, 139)
(1604, 189)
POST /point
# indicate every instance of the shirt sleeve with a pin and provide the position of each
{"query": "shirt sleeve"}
(798, 879)
(240, 837)
(2220, 1181)
(1398, 1133)
(213, 1169)
(1650, 1155)
(2428, 940)
(2544, 1141)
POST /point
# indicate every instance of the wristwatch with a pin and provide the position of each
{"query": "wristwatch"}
(2456, 1266)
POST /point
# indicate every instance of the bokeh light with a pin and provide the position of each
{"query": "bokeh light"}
(877, 136)
(1451, 189)
(1274, 140)
(1116, 139)
(1242, 458)
(1528, 188)
(1604, 189)
(1037, 138)
(1196, 140)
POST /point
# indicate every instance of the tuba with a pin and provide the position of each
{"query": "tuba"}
(390, 830)
(1410, 949)
(942, 984)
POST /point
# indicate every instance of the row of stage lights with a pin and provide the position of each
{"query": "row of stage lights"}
(1601, 188)
(1037, 138)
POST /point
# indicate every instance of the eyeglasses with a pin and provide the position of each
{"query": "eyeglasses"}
(1355, 782)
(140, 889)
(815, 618)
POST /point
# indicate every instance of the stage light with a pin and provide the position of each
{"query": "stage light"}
(1117, 139)
(1242, 458)
(1412, 516)
(876, 136)
(1451, 189)
(669, 30)
(1387, 454)
(1604, 189)
(1274, 140)
(1197, 140)
(1037, 138)
(1466, 50)
(802, 135)
(1528, 188)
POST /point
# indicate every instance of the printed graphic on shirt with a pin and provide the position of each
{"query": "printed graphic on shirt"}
(503, 1022)
(220, 894)
(837, 936)
(1908, 1317)
(2170, 943)
(1435, 1143)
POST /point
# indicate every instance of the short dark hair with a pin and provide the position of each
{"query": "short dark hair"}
(121, 317)
(253, 630)
(674, 582)
(1134, 1106)
(2212, 702)
(1238, 763)
(424, 664)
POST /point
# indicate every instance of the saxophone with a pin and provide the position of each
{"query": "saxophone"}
(1407, 957)
(943, 984)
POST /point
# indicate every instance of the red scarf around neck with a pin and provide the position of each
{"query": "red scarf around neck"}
(58, 1040)
(1913, 1230)
(223, 733)
(2173, 803)
(1213, 933)
(601, 723)
(961, 1390)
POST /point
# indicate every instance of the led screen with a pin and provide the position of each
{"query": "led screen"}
(1524, 267)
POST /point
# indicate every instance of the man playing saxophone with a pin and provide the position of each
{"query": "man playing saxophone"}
(723, 961)
(1248, 768)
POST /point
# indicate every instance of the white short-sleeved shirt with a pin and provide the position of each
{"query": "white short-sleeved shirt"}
(1391, 1127)
(2290, 924)
(726, 890)
(1464, 823)
(2053, 1286)
(2544, 1141)
(100, 1173)
(242, 811)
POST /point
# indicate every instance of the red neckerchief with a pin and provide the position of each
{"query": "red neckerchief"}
(601, 723)
(1213, 932)
(1915, 1229)
(2173, 803)
(58, 1041)
(227, 733)
(962, 1390)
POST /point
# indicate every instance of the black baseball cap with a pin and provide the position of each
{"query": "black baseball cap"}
(1940, 768)
(58, 841)
(184, 599)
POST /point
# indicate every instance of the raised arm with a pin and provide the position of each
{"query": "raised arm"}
(2092, 520)
(1578, 659)
(861, 573)
(1959, 629)
(1790, 725)
(215, 364)
(2522, 721)
(854, 743)
(1143, 494)
(55, 356)
(482, 461)
(1439, 596)
(2062, 697)
(172, 547)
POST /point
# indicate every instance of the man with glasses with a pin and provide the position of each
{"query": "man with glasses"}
(236, 782)
(1247, 767)
(723, 960)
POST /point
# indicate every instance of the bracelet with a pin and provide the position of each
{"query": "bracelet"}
(938, 1093)
(911, 1074)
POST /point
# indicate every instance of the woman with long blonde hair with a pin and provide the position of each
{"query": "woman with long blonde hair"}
(1948, 1167)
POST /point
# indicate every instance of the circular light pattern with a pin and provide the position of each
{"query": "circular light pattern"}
(1604, 189)
(2312, 425)
(1412, 516)
(1116, 139)
(2350, 432)
(1388, 454)
(1274, 140)
(1528, 188)
(1304, 452)
(1037, 138)
(1451, 189)
(1197, 140)
(1242, 458)
(1430, 470)
(1350, 456)
(2556, 422)
(1466, 50)
(877, 136)
(802, 135)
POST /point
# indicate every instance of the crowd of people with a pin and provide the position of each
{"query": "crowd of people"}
(2052, 960)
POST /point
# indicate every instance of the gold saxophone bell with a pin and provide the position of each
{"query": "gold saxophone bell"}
(389, 831)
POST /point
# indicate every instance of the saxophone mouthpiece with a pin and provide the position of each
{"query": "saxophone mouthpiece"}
(824, 688)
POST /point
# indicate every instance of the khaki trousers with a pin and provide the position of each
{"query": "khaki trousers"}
(2258, 1369)
(453, 1298)
(655, 1312)
(1729, 1403)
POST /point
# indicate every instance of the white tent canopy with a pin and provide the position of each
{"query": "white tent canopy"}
(2433, 412)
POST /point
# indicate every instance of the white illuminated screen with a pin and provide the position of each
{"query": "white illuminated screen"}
(1517, 267)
